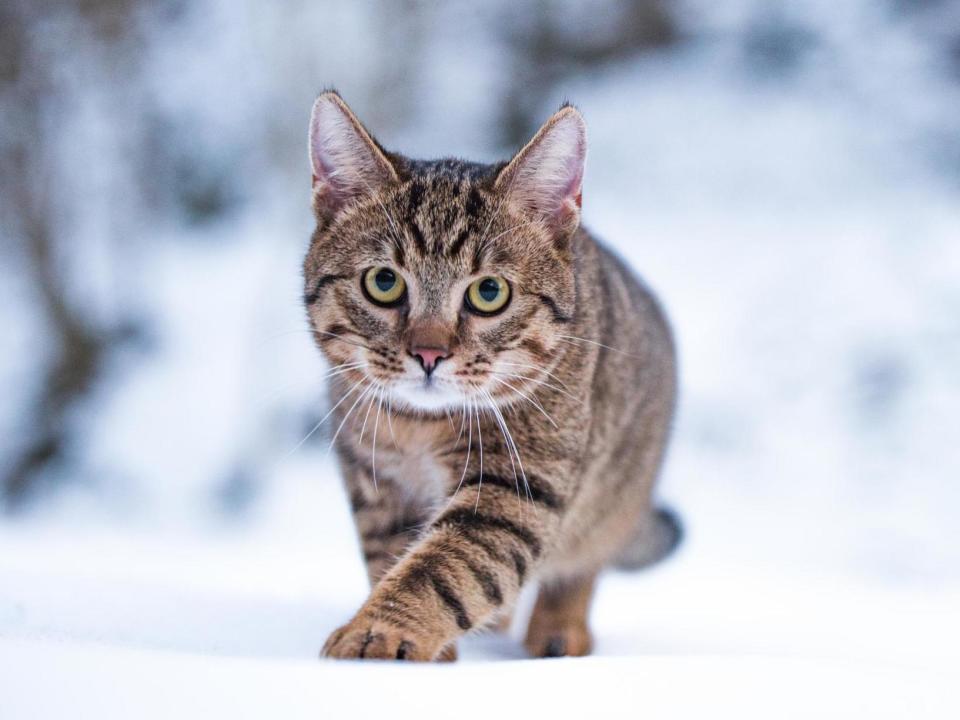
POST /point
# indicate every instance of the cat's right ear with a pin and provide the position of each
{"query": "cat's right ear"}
(545, 178)
(346, 161)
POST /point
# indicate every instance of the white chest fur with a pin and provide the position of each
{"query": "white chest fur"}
(409, 456)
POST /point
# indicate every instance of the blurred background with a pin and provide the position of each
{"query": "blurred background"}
(786, 175)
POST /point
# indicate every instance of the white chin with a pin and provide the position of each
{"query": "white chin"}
(432, 398)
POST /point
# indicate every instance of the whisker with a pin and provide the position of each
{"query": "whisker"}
(487, 242)
(373, 449)
(364, 426)
(569, 338)
(262, 399)
(343, 370)
(466, 464)
(342, 339)
(446, 410)
(352, 363)
(516, 450)
(510, 451)
(538, 382)
(390, 420)
(390, 220)
(363, 394)
(324, 418)
(534, 367)
(463, 417)
(503, 200)
(533, 402)
(480, 439)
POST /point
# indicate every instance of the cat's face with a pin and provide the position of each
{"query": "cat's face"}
(439, 285)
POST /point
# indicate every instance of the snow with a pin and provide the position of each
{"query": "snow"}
(103, 622)
(804, 234)
(144, 685)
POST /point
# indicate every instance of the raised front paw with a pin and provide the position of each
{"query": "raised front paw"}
(374, 639)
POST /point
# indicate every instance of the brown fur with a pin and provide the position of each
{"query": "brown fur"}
(566, 487)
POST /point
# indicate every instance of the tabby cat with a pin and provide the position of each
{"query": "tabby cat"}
(503, 388)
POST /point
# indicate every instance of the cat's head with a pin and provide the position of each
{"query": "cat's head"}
(442, 283)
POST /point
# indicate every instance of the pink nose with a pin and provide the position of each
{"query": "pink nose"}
(429, 358)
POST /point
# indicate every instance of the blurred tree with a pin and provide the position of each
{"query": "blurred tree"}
(35, 188)
(552, 42)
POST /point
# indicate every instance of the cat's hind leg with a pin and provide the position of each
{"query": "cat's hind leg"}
(558, 625)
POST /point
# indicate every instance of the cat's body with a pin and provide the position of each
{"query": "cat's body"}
(503, 418)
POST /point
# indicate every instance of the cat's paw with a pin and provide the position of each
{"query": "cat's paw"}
(376, 640)
(571, 640)
(502, 624)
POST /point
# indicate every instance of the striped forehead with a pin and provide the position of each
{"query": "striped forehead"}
(442, 212)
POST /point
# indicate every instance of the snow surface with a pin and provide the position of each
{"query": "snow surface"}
(89, 682)
(807, 246)
(107, 623)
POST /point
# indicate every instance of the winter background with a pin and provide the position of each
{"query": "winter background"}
(785, 174)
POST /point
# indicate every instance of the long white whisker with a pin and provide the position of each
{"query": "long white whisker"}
(373, 449)
(510, 450)
(463, 416)
(530, 400)
(343, 370)
(516, 450)
(490, 241)
(537, 381)
(446, 411)
(367, 415)
(275, 393)
(569, 338)
(324, 418)
(390, 421)
(393, 225)
(534, 367)
(476, 410)
(496, 213)
(346, 365)
(466, 463)
(340, 338)
(370, 386)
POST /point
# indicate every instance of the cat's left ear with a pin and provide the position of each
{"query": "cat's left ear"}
(545, 178)
(347, 162)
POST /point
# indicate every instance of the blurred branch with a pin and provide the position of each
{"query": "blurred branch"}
(80, 348)
(34, 196)
(547, 51)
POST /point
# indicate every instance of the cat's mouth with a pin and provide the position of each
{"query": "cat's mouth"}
(431, 394)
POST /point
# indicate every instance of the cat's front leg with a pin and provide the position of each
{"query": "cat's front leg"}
(386, 526)
(469, 564)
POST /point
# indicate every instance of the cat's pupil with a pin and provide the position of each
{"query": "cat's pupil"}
(489, 289)
(385, 279)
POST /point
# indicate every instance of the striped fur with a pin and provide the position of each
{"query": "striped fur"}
(533, 454)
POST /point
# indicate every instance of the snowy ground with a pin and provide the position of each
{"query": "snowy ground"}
(808, 251)
(106, 622)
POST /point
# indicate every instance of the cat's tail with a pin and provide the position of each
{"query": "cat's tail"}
(657, 537)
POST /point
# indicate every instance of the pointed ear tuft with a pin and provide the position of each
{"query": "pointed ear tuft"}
(346, 161)
(545, 178)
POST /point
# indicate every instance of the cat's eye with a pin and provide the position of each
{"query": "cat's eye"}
(488, 295)
(384, 286)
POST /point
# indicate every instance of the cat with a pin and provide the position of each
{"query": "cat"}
(503, 388)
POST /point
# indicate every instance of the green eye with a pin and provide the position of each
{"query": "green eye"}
(488, 295)
(384, 286)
